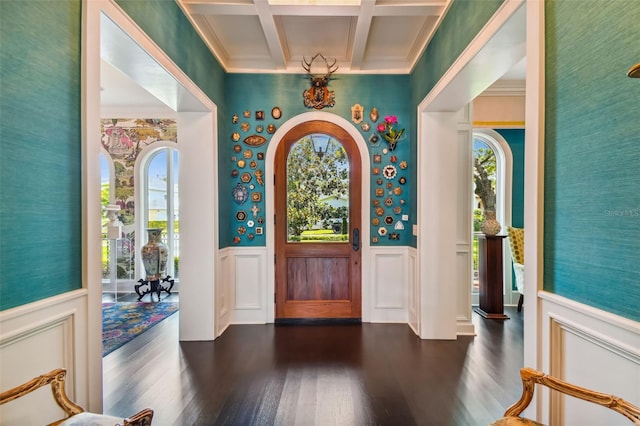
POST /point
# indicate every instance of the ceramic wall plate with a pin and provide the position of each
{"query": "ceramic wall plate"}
(255, 140)
(382, 231)
(259, 128)
(237, 148)
(365, 127)
(235, 136)
(374, 140)
(271, 128)
(246, 113)
(253, 164)
(373, 115)
(379, 211)
(388, 202)
(259, 230)
(357, 111)
(379, 181)
(241, 164)
(246, 177)
(259, 115)
(377, 158)
(240, 193)
(388, 220)
(234, 119)
(394, 236)
(399, 226)
(245, 126)
(276, 113)
(389, 171)
(379, 192)
(247, 154)
(375, 170)
(402, 180)
(256, 197)
(374, 239)
(260, 155)
(397, 209)
(403, 165)
(375, 221)
(397, 190)
(241, 215)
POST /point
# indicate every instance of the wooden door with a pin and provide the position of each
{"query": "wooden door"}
(315, 278)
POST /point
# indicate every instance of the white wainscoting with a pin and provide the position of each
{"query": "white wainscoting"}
(590, 348)
(35, 339)
(413, 291)
(389, 286)
(244, 271)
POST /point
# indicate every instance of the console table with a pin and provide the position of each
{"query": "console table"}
(490, 268)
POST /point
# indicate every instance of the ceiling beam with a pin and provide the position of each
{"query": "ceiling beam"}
(362, 33)
(271, 34)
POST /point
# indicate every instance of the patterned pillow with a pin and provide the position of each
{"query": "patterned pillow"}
(516, 240)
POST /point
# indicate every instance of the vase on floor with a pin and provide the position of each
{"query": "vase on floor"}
(490, 226)
(154, 255)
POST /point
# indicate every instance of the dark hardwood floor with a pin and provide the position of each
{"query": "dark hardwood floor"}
(369, 374)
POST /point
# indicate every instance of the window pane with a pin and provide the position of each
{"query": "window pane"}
(317, 190)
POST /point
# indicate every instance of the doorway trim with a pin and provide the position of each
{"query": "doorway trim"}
(196, 114)
(270, 203)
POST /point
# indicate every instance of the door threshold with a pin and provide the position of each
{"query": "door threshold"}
(318, 321)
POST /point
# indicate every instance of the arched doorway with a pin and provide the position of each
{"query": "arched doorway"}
(318, 273)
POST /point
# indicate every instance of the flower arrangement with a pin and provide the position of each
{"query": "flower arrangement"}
(389, 132)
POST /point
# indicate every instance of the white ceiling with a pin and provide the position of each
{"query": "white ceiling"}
(363, 36)
(275, 36)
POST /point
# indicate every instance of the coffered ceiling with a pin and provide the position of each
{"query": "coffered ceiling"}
(274, 36)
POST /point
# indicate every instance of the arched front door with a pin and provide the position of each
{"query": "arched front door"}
(317, 224)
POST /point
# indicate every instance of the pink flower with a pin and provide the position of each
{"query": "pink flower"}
(381, 127)
(391, 119)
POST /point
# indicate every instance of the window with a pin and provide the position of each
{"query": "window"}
(161, 201)
(492, 165)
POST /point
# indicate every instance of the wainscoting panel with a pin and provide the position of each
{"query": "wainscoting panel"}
(413, 290)
(222, 292)
(35, 339)
(246, 271)
(389, 298)
(589, 348)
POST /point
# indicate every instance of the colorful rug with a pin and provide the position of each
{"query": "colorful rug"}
(121, 322)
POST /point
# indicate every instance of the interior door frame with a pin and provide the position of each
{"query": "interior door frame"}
(365, 162)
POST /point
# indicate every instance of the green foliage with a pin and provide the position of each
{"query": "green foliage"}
(311, 178)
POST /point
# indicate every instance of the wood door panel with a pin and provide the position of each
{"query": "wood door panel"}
(323, 278)
(317, 280)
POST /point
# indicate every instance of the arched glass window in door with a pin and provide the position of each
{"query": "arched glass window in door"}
(161, 201)
(317, 190)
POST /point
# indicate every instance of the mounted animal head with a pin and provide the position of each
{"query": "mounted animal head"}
(319, 80)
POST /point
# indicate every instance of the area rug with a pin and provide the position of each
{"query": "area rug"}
(121, 322)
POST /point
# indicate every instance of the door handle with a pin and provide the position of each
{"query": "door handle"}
(356, 239)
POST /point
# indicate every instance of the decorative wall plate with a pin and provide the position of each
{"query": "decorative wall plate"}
(394, 236)
(256, 197)
(250, 223)
(388, 220)
(393, 159)
(271, 128)
(276, 113)
(234, 173)
(397, 209)
(235, 136)
(236, 240)
(259, 128)
(375, 202)
(241, 215)
(365, 127)
(389, 185)
(245, 126)
(379, 211)
(374, 140)
(250, 236)
(375, 170)
(379, 181)
(237, 148)
(255, 140)
(399, 226)
(379, 192)
(240, 193)
(388, 202)
(241, 163)
(259, 230)
(253, 164)
(397, 190)
(260, 155)
(374, 239)
(375, 221)
(402, 180)
(389, 171)
(247, 154)
(246, 113)
(403, 165)
(373, 115)
(258, 175)
(241, 230)
(245, 177)
(357, 111)
(382, 231)
(377, 158)
(234, 118)
(259, 115)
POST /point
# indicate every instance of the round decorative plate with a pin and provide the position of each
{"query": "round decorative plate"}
(389, 171)
(240, 193)
(235, 136)
(276, 113)
(382, 231)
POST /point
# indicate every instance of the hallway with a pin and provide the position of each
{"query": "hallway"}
(318, 375)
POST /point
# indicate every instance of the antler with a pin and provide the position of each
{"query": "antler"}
(331, 68)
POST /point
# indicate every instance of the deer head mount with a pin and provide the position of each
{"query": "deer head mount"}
(318, 95)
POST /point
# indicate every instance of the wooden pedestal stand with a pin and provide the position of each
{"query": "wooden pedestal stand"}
(490, 274)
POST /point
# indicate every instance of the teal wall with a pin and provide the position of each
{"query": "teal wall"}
(515, 140)
(592, 159)
(253, 92)
(40, 140)
(464, 19)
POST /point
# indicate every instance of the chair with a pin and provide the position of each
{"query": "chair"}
(531, 377)
(516, 242)
(75, 414)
